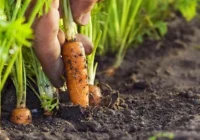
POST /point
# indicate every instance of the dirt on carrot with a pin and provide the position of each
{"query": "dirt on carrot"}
(76, 72)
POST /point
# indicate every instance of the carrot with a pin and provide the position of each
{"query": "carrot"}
(74, 58)
(76, 72)
(21, 116)
(95, 95)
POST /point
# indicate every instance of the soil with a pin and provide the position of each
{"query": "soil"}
(156, 93)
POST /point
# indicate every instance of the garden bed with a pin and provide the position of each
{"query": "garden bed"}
(159, 83)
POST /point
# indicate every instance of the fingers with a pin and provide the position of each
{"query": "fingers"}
(47, 45)
(81, 10)
(87, 43)
(61, 37)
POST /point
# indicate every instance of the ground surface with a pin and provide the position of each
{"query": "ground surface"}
(159, 82)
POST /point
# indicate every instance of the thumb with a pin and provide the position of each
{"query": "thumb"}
(81, 10)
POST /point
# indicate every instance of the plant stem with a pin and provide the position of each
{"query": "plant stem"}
(8, 69)
(19, 74)
(24, 84)
(69, 25)
(121, 52)
(91, 66)
(24, 7)
(16, 10)
(47, 93)
(35, 11)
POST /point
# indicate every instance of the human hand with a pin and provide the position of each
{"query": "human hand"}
(49, 38)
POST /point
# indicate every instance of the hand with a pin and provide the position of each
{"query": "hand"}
(49, 38)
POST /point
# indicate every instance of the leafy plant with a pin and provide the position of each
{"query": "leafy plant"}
(47, 93)
(127, 22)
(14, 34)
(187, 8)
(117, 24)
(152, 19)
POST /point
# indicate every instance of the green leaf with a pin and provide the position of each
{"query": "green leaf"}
(162, 27)
(187, 8)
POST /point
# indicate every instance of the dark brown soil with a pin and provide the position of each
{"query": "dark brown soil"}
(159, 83)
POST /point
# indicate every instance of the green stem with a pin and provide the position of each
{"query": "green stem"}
(105, 31)
(91, 67)
(35, 11)
(69, 25)
(120, 54)
(116, 19)
(24, 7)
(16, 10)
(24, 85)
(8, 69)
(125, 45)
(19, 73)
(47, 92)
(125, 16)
(19, 80)
(5, 46)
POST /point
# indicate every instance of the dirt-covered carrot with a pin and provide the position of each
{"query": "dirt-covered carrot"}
(95, 95)
(74, 58)
(21, 116)
(76, 72)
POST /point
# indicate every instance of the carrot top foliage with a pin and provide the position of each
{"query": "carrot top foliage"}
(126, 23)
(16, 32)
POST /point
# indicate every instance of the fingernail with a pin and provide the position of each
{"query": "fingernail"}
(84, 19)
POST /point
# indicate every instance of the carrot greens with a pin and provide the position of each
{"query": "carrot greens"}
(95, 37)
(46, 93)
(14, 34)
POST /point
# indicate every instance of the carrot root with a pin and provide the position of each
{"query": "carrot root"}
(95, 95)
(76, 72)
(21, 116)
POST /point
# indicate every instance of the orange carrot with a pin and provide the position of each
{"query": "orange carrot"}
(76, 72)
(95, 95)
(21, 116)
(74, 60)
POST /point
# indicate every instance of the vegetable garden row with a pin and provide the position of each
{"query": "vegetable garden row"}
(114, 27)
